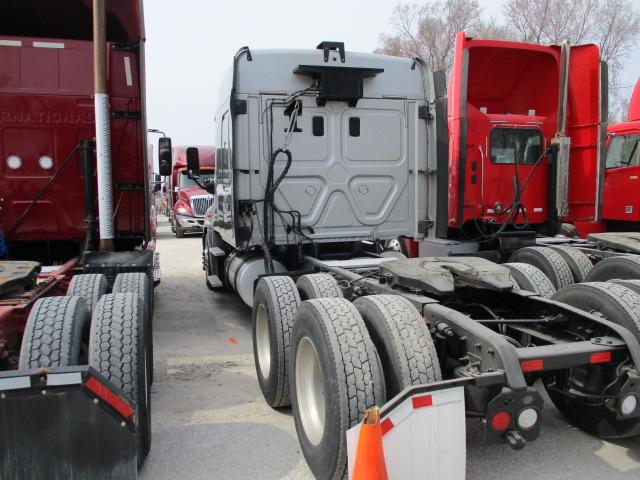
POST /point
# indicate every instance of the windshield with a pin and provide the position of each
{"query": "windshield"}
(623, 151)
(205, 179)
(511, 145)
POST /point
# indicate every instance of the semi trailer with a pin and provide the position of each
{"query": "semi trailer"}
(78, 230)
(323, 156)
(187, 200)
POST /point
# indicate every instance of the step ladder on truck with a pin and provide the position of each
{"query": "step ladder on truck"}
(78, 223)
(323, 156)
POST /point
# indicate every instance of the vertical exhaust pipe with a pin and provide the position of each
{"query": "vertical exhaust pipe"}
(103, 132)
(561, 142)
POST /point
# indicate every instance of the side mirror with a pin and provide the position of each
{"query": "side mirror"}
(164, 156)
(193, 162)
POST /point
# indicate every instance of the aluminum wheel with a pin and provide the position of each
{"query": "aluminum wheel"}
(310, 390)
(263, 343)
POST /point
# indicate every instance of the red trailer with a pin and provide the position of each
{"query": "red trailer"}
(76, 216)
(188, 201)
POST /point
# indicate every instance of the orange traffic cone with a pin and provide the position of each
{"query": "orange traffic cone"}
(369, 462)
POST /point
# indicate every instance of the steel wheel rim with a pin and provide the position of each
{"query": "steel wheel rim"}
(263, 345)
(310, 391)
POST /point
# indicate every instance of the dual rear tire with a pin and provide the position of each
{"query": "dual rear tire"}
(332, 359)
(118, 351)
(61, 331)
(617, 304)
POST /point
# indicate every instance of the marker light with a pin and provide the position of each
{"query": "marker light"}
(45, 162)
(628, 405)
(14, 162)
(527, 418)
(500, 421)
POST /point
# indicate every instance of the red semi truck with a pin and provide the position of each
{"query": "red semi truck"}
(187, 201)
(621, 207)
(523, 158)
(76, 217)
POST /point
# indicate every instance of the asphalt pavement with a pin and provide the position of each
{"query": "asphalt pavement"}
(210, 421)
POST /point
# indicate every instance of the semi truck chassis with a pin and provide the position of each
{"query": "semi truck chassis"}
(489, 336)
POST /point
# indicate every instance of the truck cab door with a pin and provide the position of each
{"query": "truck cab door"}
(622, 179)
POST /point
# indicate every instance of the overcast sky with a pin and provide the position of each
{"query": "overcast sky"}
(190, 45)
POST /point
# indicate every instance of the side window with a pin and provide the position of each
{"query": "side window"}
(509, 145)
(623, 151)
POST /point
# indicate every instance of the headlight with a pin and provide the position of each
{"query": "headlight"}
(14, 162)
(45, 162)
(182, 211)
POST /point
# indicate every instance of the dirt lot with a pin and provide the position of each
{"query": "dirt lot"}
(210, 422)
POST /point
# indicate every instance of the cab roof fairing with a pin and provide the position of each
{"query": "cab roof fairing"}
(276, 75)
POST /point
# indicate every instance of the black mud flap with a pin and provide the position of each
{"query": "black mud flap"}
(65, 423)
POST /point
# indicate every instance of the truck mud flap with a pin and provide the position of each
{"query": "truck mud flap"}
(423, 430)
(65, 423)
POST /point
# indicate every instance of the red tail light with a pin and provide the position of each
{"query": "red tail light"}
(600, 357)
(107, 396)
(500, 421)
(532, 365)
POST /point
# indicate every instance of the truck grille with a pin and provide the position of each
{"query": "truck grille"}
(200, 204)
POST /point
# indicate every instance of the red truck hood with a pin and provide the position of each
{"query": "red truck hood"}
(186, 193)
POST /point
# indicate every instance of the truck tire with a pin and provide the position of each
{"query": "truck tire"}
(179, 231)
(90, 286)
(578, 262)
(117, 350)
(530, 278)
(402, 340)
(138, 283)
(616, 303)
(624, 267)
(318, 285)
(550, 262)
(630, 284)
(54, 332)
(275, 304)
(619, 305)
(335, 378)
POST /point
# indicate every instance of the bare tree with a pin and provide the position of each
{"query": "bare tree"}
(429, 31)
(614, 25)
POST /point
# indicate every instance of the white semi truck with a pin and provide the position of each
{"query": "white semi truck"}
(323, 155)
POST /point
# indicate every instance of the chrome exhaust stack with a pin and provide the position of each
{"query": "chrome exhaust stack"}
(103, 130)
